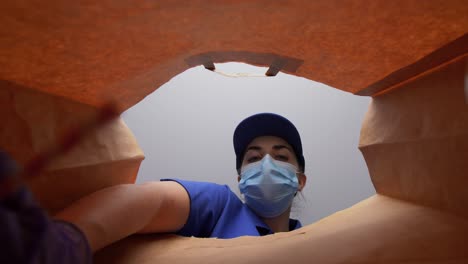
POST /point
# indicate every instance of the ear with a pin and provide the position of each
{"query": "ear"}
(302, 178)
(238, 178)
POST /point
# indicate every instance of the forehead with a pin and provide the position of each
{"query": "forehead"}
(268, 142)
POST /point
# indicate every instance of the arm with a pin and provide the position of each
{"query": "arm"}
(113, 213)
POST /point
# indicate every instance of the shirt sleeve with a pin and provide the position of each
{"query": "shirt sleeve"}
(207, 201)
(65, 243)
(28, 235)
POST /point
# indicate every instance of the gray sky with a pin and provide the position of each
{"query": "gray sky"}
(185, 129)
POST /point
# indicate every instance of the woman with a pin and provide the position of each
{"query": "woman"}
(270, 167)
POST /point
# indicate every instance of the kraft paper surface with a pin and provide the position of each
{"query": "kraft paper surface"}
(377, 230)
(33, 121)
(61, 61)
(415, 140)
(94, 52)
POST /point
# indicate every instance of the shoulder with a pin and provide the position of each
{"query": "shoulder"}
(208, 202)
(206, 191)
(201, 186)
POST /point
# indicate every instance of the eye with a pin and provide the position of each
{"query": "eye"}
(253, 159)
(281, 157)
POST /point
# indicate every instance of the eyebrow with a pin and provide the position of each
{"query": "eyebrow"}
(278, 147)
(275, 147)
(253, 148)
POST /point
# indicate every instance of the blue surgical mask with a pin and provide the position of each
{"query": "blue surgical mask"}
(268, 186)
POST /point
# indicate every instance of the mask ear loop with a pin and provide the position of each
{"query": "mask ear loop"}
(298, 172)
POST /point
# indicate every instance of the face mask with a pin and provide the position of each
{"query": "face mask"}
(269, 186)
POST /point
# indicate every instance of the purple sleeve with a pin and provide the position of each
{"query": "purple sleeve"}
(28, 235)
(64, 243)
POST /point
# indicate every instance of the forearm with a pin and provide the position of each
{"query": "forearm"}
(113, 213)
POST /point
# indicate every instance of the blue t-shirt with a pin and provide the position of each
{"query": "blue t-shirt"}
(215, 211)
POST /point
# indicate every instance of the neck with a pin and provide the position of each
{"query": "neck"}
(279, 223)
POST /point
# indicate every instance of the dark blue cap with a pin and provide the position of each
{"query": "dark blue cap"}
(266, 124)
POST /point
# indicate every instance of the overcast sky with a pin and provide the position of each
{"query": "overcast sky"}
(185, 129)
